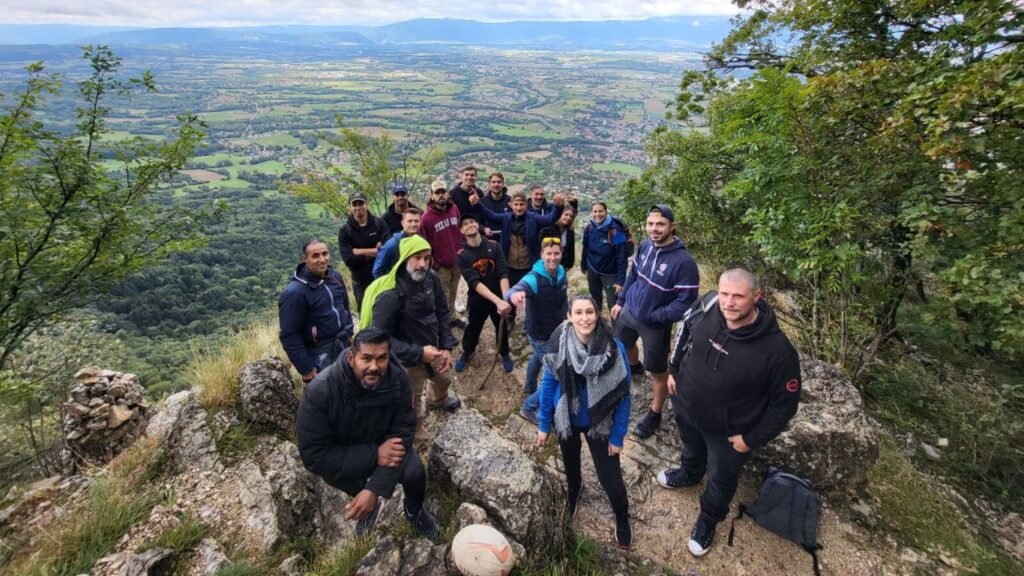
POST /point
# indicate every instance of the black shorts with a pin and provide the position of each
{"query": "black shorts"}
(656, 340)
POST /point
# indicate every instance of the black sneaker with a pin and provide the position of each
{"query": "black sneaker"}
(636, 370)
(457, 323)
(365, 526)
(425, 524)
(451, 404)
(574, 502)
(647, 425)
(673, 478)
(623, 532)
(701, 536)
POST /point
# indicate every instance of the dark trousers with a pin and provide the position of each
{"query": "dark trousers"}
(479, 311)
(413, 481)
(609, 471)
(712, 453)
(600, 285)
(359, 286)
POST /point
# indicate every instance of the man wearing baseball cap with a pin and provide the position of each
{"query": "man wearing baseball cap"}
(660, 286)
(440, 227)
(393, 215)
(360, 238)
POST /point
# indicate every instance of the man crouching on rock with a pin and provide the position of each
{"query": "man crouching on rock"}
(355, 428)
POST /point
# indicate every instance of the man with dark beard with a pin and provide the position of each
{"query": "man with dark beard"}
(393, 215)
(355, 427)
(409, 303)
(440, 226)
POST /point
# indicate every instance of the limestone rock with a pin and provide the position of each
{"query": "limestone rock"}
(291, 566)
(210, 557)
(518, 493)
(468, 514)
(410, 558)
(293, 488)
(267, 396)
(830, 441)
(149, 563)
(180, 422)
(260, 511)
(118, 415)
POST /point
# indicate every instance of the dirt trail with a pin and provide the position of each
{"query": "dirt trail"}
(663, 518)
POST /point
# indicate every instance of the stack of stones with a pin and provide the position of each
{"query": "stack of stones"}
(104, 414)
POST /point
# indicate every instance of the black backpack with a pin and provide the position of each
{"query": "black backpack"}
(692, 317)
(787, 506)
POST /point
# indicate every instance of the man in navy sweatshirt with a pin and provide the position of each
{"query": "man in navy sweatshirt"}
(733, 391)
(660, 286)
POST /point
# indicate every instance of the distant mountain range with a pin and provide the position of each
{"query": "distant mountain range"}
(694, 33)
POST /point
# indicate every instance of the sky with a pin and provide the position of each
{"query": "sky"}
(162, 13)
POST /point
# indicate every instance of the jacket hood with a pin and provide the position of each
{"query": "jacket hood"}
(387, 386)
(303, 275)
(766, 323)
(406, 248)
(675, 244)
(539, 268)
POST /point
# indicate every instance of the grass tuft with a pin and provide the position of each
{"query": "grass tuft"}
(342, 561)
(216, 371)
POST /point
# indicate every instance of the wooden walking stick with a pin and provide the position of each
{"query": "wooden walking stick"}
(497, 353)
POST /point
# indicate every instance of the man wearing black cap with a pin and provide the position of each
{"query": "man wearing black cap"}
(482, 266)
(393, 215)
(660, 285)
(360, 238)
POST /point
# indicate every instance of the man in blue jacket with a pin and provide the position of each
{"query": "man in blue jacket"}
(388, 253)
(660, 286)
(313, 313)
(355, 428)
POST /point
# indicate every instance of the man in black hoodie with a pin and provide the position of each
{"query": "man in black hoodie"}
(360, 237)
(355, 427)
(733, 391)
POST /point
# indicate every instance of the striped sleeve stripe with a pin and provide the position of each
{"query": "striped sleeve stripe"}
(663, 289)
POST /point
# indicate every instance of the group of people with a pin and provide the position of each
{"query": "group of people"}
(733, 378)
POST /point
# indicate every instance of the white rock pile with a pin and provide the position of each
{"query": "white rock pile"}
(104, 413)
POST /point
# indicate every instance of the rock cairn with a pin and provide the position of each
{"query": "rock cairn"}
(104, 413)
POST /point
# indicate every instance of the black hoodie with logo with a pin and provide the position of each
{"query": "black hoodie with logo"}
(744, 381)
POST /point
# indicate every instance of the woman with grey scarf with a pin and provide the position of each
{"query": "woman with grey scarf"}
(585, 390)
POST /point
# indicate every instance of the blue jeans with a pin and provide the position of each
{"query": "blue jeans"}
(533, 369)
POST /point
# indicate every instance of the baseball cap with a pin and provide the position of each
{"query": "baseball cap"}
(399, 190)
(356, 197)
(467, 216)
(438, 185)
(664, 210)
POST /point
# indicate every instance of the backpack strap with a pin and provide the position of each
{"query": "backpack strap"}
(732, 527)
(813, 551)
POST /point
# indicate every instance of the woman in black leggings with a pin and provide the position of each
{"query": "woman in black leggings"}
(585, 390)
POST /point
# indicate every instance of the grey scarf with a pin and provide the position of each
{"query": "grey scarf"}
(600, 364)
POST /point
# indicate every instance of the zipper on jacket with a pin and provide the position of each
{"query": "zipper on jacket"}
(336, 315)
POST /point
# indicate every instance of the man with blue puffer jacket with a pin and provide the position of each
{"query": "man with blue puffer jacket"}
(313, 312)
(662, 283)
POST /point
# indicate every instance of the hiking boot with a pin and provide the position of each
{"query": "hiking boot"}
(425, 524)
(365, 526)
(636, 370)
(528, 415)
(573, 502)
(461, 363)
(457, 323)
(623, 532)
(507, 363)
(648, 425)
(451, 404)
(673, 478)
(701, 536)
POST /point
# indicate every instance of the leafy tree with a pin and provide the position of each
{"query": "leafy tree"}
(68, 229)
(872, 151)
(374, 165)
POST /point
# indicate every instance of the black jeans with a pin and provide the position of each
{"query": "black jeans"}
(479, 311)
(359, 286)
(609, 471)
(599, 286)
(712, 453)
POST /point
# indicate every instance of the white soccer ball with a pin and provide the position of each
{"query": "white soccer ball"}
(479, 550)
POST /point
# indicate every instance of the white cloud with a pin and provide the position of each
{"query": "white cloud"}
(160, 13)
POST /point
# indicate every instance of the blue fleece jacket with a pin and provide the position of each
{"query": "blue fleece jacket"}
(604, 249)
(311, 311)
(387, 255)
(551, 392)
(661, 284)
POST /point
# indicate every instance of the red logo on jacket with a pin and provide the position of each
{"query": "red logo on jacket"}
(793, 385)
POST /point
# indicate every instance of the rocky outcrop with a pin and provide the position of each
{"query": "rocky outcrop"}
(525, 499)
(293, 489)
(180, 423)
(403, 558)
(266, 395)
(830, 441)
(104, 413)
